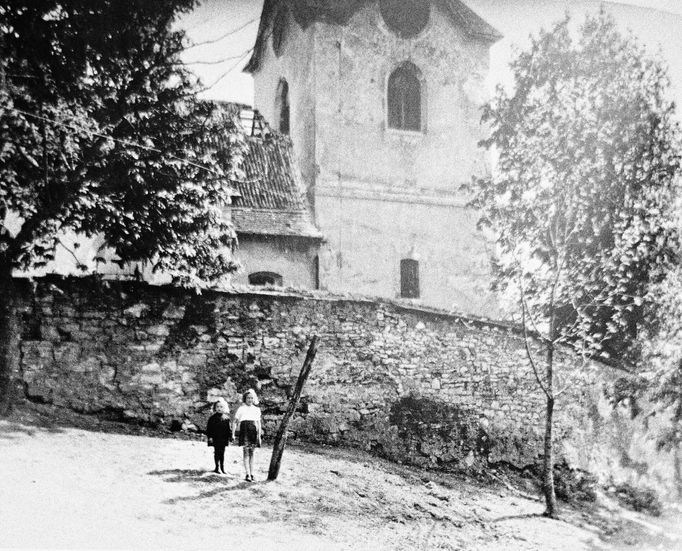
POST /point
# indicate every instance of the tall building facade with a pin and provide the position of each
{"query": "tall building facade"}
(382, 100)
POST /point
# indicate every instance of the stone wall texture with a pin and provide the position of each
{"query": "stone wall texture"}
(416, 386)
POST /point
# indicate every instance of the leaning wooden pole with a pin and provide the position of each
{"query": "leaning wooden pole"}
(281, 438)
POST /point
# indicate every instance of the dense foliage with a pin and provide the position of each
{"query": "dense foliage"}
(582, 198)
(102, 133)
(589, 154)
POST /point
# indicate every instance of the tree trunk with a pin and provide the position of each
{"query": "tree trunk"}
(281, 438)
(677, 467)
(548, 463)
(7, 337)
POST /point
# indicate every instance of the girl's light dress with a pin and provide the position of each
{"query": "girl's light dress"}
(246, 418)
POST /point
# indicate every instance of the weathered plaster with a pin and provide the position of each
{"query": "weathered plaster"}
(379, 192)
(292, 258)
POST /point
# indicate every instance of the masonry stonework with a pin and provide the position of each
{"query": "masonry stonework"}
(415, 386)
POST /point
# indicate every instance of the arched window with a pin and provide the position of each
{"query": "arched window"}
(282, 106)
(409, 278)
(404, 98)
(265, 278)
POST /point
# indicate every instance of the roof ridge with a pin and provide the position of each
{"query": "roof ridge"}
(339, 12)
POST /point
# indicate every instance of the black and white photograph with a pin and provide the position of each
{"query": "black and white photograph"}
(341, 275)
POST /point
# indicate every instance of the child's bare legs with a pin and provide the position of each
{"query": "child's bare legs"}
(247, 462)
(251, 462)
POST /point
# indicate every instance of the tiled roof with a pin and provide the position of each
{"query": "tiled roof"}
(340, 11)
(271, 199)
(274, 222)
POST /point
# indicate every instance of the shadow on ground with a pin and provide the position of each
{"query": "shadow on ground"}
(11, 430)
(225, 483)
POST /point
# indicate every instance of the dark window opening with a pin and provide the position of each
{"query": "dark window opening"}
(404, 98)
(316, 271)
(282, 105)
(406, 18)
(265, 278)
(279, 30)
(409, 278)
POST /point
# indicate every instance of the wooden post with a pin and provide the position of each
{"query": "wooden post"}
(281, 438)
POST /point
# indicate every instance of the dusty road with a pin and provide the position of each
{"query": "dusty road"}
(64, 487)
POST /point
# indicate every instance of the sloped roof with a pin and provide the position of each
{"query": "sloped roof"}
(474, 25)
(340, 11)
(271, 199)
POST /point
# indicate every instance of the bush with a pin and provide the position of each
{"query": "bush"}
(432, 432)
(574, 484)
(638, 499)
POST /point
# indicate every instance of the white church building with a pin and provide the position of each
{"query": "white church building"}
(381, 100)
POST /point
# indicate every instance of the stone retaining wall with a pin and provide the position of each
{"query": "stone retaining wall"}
(416, 386)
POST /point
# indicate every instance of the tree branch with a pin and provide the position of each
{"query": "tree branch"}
(525, 341)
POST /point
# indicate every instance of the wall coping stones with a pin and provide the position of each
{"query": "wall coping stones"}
(287, 293)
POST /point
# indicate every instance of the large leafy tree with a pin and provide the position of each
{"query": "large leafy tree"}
(588, 155)
(101, 132)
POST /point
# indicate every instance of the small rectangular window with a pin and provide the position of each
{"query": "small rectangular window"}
(409, 278)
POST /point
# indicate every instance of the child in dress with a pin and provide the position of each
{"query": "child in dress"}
(248, 420)
(219, 433)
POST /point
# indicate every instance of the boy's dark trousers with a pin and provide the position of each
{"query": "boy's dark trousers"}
(219, 457)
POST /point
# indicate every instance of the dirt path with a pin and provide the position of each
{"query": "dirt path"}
(72, 488)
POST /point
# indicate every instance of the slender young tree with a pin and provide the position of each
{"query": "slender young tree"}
(102, 133)
(581, 197)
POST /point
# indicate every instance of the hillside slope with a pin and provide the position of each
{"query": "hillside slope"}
(66, 487)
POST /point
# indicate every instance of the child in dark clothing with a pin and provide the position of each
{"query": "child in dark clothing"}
(219, 433)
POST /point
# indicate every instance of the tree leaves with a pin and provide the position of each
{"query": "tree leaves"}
(102, 133)
(588, 164)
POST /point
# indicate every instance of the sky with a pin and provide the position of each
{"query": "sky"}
(673, 6)
(224, 31)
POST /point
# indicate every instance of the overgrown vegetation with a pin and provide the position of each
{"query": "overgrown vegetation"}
(638, 499)
(574, 485)
(442, 433)
(582, 197)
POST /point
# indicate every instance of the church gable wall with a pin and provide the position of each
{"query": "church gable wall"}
(352, 66)
(296, 65)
